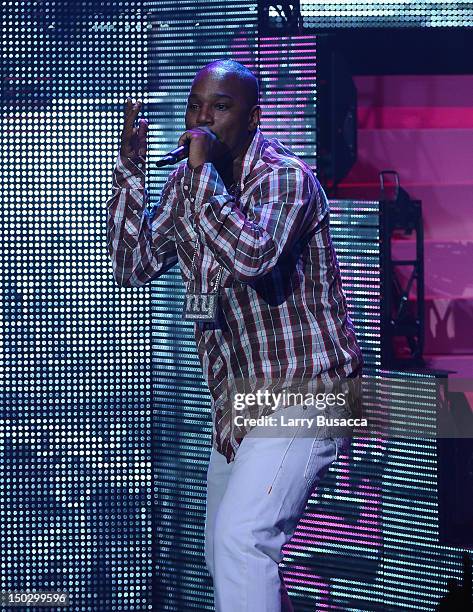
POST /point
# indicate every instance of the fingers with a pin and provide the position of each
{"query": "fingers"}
(201, 141)
(142, 128)
(131, 111)
(142, 132)
(207, 130)
(186, 137)
(133, 139)
(193, 133)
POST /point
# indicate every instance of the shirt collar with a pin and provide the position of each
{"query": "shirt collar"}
(251, 156)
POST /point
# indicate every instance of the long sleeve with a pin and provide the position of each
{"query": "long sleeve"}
(287, 203)
(140, 241)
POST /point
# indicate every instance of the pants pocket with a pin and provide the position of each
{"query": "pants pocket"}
(343, 445)
(278, 470)
(322, 454)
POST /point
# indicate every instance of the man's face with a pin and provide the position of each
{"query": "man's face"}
(219, 101)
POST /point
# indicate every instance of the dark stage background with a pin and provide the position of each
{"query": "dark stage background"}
(105, 420)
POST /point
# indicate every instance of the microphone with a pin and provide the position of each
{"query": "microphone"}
(174, 156)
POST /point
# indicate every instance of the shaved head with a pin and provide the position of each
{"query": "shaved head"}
(227, 68)
(224, 99)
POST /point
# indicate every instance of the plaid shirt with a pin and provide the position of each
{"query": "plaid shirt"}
(283, 316)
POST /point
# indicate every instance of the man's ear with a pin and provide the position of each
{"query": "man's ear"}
(255, 117)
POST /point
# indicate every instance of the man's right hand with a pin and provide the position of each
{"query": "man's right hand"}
(133, 139)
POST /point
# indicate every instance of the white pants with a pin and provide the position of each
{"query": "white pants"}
(253, 507)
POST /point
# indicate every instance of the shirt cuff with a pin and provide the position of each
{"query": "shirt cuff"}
(201, 183)
(219, 225)
(128, 174)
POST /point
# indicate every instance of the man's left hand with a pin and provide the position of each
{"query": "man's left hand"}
(204, 146)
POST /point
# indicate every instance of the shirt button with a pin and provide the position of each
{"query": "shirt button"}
(135, 210)
(186, 187)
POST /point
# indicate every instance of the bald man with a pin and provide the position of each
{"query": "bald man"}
(247, 222)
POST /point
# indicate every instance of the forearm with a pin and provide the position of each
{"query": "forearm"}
(250, 245)
(140, 248)
(241, 246)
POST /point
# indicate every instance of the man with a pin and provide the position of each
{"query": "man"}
(247, 222)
